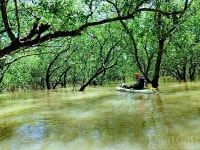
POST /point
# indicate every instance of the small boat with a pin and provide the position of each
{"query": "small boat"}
(144, 91)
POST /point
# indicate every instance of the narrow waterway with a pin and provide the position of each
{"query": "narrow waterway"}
(99, 119)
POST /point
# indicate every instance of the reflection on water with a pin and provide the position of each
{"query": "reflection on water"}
(99, 119)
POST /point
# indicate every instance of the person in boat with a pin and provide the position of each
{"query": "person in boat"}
(140, 81)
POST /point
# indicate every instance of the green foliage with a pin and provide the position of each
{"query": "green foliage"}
(89, 51)
(183, 49)
(62, 14)
(23, 73)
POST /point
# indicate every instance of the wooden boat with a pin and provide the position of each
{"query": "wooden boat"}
(144, 91)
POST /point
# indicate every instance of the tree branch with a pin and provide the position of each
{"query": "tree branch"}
(24, 43)
(2, 31)
(17, 18)
(6, 21)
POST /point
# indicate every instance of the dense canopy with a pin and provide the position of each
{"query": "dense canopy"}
(48, 43)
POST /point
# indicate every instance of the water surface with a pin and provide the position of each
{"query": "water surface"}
(100, 119)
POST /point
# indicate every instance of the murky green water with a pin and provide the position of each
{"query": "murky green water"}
(100, 119)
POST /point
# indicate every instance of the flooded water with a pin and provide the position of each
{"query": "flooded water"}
(100, 119)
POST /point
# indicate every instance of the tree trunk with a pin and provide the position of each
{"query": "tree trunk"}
(192, 71)
(184, 72)
(48, 84)
(98, 72)
(158, 63)
(102, 78)
(65, 79)
(90, 80)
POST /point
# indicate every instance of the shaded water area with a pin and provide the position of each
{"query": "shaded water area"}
(101, 119)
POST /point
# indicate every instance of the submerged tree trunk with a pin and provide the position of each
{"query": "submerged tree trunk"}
(98, 72)
(155, 80)
(192, 71)
(90, 80)
(184, 72)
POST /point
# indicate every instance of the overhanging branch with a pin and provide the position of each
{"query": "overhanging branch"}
(29, 40)
(6, 21)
